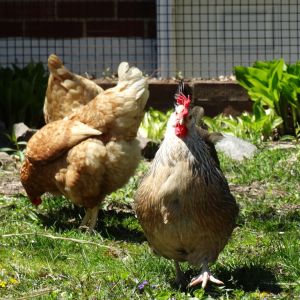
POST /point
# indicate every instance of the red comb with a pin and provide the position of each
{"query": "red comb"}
(183, 100)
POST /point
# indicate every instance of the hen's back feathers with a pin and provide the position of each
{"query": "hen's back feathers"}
(118, 111)
(64, 135)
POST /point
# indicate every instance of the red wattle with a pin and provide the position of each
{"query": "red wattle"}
(37, 201)
(181, 130)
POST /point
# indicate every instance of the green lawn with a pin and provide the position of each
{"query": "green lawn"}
(43, 255)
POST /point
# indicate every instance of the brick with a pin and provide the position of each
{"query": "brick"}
(11, 29)
(116, 28)
(136, 9)
(221, 97)
(162, 94)
(85, 9)
(214, 107)
(151, 29)
(220, 91)
(165, 89)
(54, 29)
(26, 10)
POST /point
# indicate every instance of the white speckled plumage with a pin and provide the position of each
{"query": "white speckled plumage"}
(184, 203)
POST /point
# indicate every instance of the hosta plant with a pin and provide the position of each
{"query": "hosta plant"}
(257, 126)
(154, 125)
(276, 86)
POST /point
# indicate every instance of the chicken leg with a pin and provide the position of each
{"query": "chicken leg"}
(90, 219)
(204, 277)
(180, 278)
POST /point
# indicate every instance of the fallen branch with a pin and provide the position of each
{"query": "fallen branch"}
(36, 293)
(50, 236)
(7, 206)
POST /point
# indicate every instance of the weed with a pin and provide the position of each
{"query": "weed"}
(18, 149)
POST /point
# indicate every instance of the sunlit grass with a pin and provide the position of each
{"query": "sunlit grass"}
(43, 254)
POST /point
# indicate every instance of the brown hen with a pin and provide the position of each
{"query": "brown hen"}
(184, 203)
(92, 152)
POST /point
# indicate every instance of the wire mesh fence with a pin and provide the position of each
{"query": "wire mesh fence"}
(203, 38)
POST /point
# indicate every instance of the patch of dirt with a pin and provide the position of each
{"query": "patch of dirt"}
(10, 183)
(254, 190)
(290, 207)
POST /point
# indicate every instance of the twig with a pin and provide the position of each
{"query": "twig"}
(7, 206)
(34, 294)
(50, 236)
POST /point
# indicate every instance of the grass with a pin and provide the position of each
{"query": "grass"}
(43, 255)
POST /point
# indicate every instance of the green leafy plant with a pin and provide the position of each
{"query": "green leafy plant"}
(22, 93)
(276, 86)
(18, 146)
(154, 124)
(256, 127)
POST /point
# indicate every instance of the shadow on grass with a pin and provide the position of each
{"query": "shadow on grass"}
(272, 219)
(111, 224)
(119, 226)
(248, 279)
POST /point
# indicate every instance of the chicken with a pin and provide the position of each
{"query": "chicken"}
(233, 147)
(93, 151)
(66, 91)
(184, 203)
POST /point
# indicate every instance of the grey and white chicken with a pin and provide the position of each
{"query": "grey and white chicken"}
(184, 203)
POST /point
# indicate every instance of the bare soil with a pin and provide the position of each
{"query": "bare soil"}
(10, 184)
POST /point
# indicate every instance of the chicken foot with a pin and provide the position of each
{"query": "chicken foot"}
(204, 277)
(90, 219)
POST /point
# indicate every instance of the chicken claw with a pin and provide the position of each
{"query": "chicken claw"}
(204, 277)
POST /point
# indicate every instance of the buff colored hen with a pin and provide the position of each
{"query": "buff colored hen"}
(66, 91)
(184, 203)
(93, 151)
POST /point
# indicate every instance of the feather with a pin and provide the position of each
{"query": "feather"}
(235, 148)
(64, 135)
(90, 150)
(66, 91)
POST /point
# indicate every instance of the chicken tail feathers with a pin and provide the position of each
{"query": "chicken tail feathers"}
(125, 73)
(57, 69)
(135, 82)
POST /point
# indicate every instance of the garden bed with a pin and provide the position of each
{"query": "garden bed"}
(214, 96)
